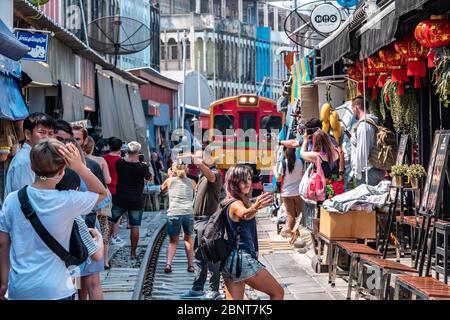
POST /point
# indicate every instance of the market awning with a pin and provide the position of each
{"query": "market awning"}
(124, 112)
(378, 31)
(195, 110)
(39, 72)
(73, 103)
(12, 105)
(9, 45)
(336, 45)
(405, 6)
(108, 114)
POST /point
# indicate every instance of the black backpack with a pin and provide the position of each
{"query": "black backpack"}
(78, 252)
(214, 244)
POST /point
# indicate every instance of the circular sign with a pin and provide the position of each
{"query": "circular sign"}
(325, 18)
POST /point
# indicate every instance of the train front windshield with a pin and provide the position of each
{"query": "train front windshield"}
(223, 122)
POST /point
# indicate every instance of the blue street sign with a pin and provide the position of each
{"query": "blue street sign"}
(38, 44)
(348, 3)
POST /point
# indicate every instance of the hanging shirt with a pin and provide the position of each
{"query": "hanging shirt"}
(19, 173)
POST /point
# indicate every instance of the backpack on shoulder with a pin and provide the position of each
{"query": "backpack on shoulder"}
(383, 154)
(78, 252)
(214, 242)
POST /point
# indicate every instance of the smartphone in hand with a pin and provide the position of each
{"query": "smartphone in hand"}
(269, 187)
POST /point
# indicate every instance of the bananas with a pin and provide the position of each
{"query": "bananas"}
(325, 112)
(334, 120)
(337, 133)
(330, 120)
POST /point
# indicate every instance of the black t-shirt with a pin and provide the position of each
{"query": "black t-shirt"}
(130, 184)
(96, 170)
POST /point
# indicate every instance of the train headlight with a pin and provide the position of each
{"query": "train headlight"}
(252, 100)
(243, 100)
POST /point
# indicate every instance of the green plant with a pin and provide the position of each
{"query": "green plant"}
(399, 170)
(441, 76)
(403, 108)
(416, 171)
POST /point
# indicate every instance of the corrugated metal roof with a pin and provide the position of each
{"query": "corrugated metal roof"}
(41, 20)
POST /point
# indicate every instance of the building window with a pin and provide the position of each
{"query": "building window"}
(232, 9)
(204, 6)
(163, 51)
(217, 8)
(173, 49)
(281, 19)
(271, 18)
(260, 14)
(188, 50)
(164, 7)
(249, 12)
(183, 6)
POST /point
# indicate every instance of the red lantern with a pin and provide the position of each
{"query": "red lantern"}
(377, 74)
(433, 33)
(415, 55)
(354, 72)
(397, 64)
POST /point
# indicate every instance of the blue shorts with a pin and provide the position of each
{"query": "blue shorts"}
(134, 216)
(174, 224)
(249, 266)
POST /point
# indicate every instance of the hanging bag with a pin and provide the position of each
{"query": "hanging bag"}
(78, 252)
(304, 183)
(317, 187)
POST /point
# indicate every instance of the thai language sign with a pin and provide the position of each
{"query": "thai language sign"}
(38, 44)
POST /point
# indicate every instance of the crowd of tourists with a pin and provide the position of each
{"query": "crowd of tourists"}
(56, 176)
(56, 182)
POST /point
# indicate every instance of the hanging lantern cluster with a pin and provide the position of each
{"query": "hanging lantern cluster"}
(355, 73)
(415, 55)
(379, 72)
(433, 33)
(397, 63)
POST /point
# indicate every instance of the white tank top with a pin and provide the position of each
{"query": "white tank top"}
(292, 180)
(180, 197)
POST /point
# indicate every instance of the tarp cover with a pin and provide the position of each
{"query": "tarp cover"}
(12, 105)
(336, 48)
(73, 103)
(140, 123)
(124, 112)
(405, 6)
(379, 32)
(108, 114)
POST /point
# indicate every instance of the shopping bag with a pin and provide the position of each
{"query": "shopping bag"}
(317, 187)
(303, 187)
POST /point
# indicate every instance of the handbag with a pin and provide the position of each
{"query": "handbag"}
(317, 187)
(78, 252)
(106, 211)
(303, 187)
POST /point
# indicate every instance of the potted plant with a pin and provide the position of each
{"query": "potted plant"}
(398, 172)
(415, 172)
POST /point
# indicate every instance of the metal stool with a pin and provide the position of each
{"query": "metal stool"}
(426, 288)
(442, 250)
(383, 271)
(354, 250)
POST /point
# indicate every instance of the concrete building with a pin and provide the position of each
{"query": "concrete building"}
(222, 42)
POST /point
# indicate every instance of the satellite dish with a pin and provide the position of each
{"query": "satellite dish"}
(311, 22)
(118, 35)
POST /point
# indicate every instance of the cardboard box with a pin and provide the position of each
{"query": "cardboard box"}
(352, 224)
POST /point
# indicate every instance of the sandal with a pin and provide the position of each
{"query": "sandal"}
(191, 269)
(168, 268)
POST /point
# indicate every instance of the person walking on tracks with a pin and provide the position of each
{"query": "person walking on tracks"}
(180, 213)
(242, 266)
(207, 197)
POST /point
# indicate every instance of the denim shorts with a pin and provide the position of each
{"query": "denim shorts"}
(249, 266)
(174, 224)
(134, 216)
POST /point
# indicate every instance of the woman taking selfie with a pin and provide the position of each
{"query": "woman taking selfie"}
(242, 266)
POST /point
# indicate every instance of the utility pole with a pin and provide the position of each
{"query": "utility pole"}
(183, 41)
